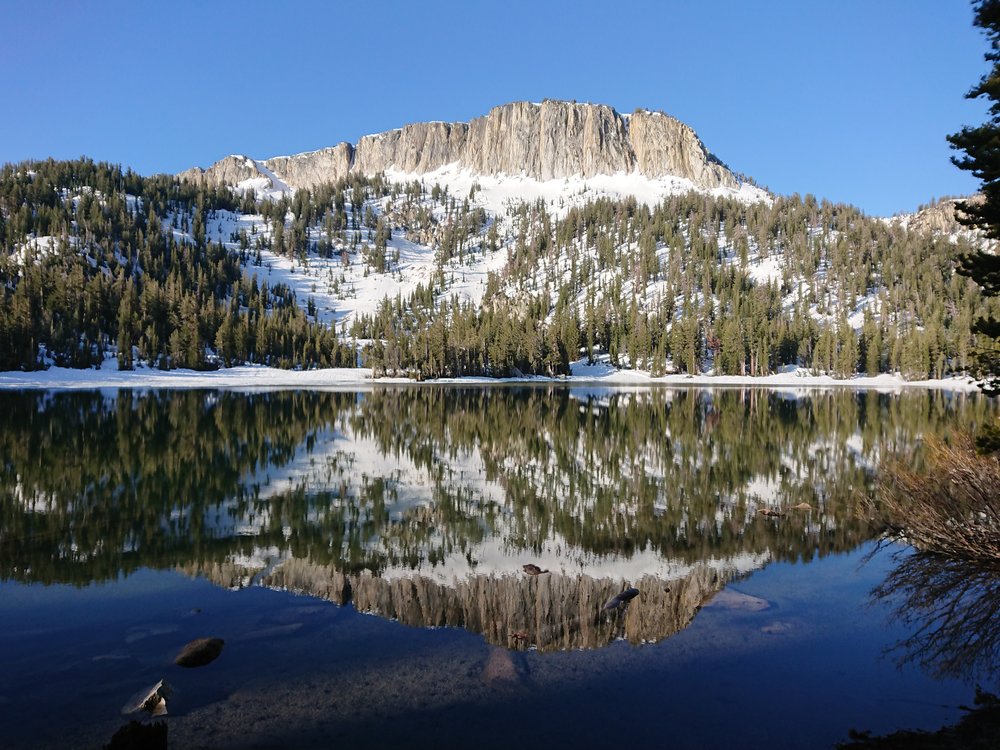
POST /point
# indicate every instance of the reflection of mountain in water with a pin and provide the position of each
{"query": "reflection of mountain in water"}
(548, 611)
(454, 483)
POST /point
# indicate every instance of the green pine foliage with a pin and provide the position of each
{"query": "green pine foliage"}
(674, 289)
(96, 259)
(979, 145)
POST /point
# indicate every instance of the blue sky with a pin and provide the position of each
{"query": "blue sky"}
(847, 100)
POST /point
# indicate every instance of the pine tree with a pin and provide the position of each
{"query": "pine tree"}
(980, 144)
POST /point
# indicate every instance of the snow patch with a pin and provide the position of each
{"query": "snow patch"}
(497, 193)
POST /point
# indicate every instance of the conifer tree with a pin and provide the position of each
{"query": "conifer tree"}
(981, 145)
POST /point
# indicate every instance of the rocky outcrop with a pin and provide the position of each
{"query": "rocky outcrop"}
(666, 146)
(546, 141)
(314, 167)
(229, 171)
(939, 217)
(421, 147)
(550, 140)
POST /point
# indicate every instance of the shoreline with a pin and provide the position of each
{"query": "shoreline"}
(257, 377)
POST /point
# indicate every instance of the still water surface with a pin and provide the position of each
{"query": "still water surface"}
(362, 556)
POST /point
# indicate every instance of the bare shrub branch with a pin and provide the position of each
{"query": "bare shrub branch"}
(952, 508)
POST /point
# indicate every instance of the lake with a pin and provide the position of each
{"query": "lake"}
(363, 553)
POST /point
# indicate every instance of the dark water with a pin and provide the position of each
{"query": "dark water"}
(361, 554)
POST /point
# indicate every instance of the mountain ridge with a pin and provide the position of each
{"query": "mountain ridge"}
(543, 141)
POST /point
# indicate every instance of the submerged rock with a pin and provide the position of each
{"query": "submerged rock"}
(502, 668)
(149, 631)
(199, 652)
(777, 628)
(736, 600)
(274, 631)
(152, 700)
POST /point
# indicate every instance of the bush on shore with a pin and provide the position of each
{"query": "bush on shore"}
(951, 507)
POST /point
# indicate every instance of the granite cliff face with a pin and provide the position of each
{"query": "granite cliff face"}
(665, 146)
(229, 171)
(314, 167)
(940, 217)
(547, 141)
(421, 147)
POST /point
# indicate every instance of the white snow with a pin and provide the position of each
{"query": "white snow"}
(276, 187)
(765, 270)
(494, 558)
(259, 377)
(497, 193)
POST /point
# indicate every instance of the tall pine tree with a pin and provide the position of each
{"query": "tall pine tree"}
(981, 147)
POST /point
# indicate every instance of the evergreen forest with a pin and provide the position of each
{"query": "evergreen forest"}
(99, 262)
(91, 264)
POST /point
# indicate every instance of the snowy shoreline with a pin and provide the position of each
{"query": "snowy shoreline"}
(259, 377)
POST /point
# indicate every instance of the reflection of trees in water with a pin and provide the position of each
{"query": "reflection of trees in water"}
(953, 607)
(92, 486)
(677, 472)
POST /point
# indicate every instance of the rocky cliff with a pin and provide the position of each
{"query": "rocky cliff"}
(546, 141)
(229, 171)
(939, 217)
(550, 141)
(421, 147)
(314, 167)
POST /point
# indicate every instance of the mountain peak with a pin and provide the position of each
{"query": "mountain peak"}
(543, 141)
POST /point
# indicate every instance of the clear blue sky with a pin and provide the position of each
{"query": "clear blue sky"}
(849, 100)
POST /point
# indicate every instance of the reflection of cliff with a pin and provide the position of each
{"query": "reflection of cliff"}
(229, 575)
(549, 611)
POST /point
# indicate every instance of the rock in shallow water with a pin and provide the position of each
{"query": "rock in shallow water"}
(153, 700)
(149, 631)
(737, 600)
(777, 628)
(199, 652)
(502, 668)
